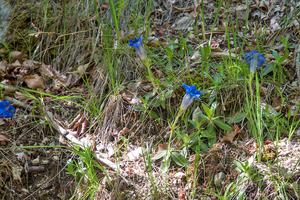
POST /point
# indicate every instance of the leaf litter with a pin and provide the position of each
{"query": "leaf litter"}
(84, 130)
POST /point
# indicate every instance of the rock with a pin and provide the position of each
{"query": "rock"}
(179, 175)
(55, 157)
(219, 179)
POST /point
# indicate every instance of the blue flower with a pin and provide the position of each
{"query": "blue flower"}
(188, 98)
(254, 60)
(6, 110)
(138, 45)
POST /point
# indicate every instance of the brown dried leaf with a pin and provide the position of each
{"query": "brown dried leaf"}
(3, 138)
(34, 81)
(187, 9)
(263, 91)
(82, 69)
(32, 64)
(22, 97)
(230, 134)
(7, 88)
(161, 147)
(181, 195)
(3, 64)
(276, 101)
(46, 71)
(124, 131)
(17, 55)
(223, 54)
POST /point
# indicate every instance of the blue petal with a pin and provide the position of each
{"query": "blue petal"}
(254, 59)
(6, 110)
(187, 88)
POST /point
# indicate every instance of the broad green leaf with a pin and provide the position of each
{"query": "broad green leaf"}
(275, 54)
(169, 52)
(210, 78)
(208, 134)
(178, 159)
(223, 126)
(207, 110)
(238, 118)
(269, 68)
(203, 117)
(159, 155)
(211, 142)
(239, 165)
(153, 114)
(192, 122)
(138, 108)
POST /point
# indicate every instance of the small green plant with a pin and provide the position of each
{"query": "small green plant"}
(144, 108)
(276, 67)
(208, 121)
(169, 155)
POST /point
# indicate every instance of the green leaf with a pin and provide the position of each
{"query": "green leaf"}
(222, 125)
(211, 142)
(159, 155)
(32, 31)
(269, 68)
(138, 108)
(169, 52)
(210, 78)
(275, 54)
(208, 134)
(168, 93)
(238, 118)
(153, 114)
(203, 117)
(178, 159)
(207, 110)
(239, 165)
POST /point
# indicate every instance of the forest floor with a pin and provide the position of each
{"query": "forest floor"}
(95, 120)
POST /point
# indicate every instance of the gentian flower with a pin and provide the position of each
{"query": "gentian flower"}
(188, 98)
(6, 110)
(254, 60)
(138, 45)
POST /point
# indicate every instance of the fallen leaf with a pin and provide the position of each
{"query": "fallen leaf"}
(17, 171)
(230, 134)
(176, 9)
(17, 55)
(181, 195)
(223, 54)
(276, 101)
(22, 97)
(3, 138)
(161, 147)
(34, 81)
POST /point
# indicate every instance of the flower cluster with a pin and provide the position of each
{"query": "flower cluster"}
(254, 60)
(138, 45)
(6, 110)
(188, 98)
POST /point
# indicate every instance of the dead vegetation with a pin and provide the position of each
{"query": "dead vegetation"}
(90, 123)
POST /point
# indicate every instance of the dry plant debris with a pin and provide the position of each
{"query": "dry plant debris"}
(39, 92)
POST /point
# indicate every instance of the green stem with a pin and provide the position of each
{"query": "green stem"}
(147, 64)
